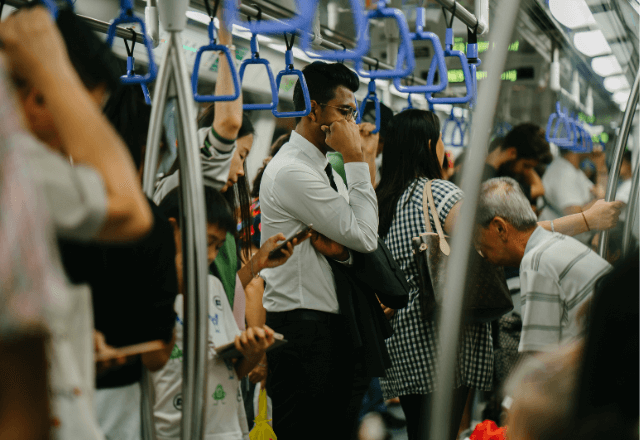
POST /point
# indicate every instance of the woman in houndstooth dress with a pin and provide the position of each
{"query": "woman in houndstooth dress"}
(408, 163)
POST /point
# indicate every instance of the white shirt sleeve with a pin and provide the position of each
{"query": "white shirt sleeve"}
(307, 197)
(76, 195)
(215, 157)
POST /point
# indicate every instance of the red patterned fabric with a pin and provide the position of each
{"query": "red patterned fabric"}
(488, 430)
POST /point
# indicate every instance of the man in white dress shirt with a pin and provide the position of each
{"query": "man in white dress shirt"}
(311, 378)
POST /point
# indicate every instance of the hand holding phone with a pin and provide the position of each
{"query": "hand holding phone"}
(301, 234)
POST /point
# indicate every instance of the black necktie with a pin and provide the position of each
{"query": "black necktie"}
(332, 182)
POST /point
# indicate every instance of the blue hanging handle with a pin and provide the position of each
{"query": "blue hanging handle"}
(298, 21)
(437, 61)
(457, 126)
(556, 120)
(255, 59)
(409, 103)
(373, 97)
(53, 7)
(289, 70)
(405, 53)
(214, 47)
(502, 128)
(360, 25)
(464, 64)
(474, 62)
(126, 17)
(145, 92)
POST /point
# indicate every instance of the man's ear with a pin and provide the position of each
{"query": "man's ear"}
(314, 108)
(500, 227)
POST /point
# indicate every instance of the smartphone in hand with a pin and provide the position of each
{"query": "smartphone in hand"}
(277, 252)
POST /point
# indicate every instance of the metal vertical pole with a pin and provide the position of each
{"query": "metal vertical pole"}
(148, 182)
(198, 250)
(449, 321)
(155, 125)
(173, 74)
(632, 210)
(621, 143)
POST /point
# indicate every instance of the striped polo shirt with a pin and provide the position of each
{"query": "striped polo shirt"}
(557, 275)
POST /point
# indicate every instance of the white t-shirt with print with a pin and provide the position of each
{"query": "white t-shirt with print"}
(225, 415)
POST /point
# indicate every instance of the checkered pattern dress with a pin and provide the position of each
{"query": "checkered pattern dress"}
(413, 346)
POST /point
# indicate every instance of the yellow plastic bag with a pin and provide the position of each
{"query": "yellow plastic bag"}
(262, 430)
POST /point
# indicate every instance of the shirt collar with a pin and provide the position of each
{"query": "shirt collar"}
(538, 236)
(309, 149)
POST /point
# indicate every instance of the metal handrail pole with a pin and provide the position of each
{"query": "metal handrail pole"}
(187, 119)
(146, 407)
(464, 15)
(156, 124)
(450, 317)
(621, 142)
(632, 210)
(185, 194)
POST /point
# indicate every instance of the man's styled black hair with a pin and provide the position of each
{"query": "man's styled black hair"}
(322, 79)
(529, 141)
(94, 61)
(218, 211)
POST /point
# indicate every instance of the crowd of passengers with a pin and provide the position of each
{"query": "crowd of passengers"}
(89, 264)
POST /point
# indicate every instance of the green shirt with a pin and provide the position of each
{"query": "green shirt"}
(227, 264)
(337, 163)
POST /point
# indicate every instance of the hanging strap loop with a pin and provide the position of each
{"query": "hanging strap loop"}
(453, 14)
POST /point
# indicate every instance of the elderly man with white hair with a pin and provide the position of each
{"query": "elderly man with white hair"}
(557, 272)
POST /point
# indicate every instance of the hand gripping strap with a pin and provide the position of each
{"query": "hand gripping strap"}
(213, 47)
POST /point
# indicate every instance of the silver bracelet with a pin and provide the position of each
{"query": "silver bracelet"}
(552, 228)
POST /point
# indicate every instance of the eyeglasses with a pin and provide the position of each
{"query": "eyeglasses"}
(348, 113)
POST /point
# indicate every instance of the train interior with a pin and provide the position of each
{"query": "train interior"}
(569, 66)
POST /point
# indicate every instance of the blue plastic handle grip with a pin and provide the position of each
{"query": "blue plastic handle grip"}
(456, 125)
(305, 91)
(409, 104)
(360, 25)
(274, 89)
(437, 61)
(145, 92)
(373, 97)
(291, 25)
(405, 53)
(125, 18)
(213, 47)
(551, 134)
(474, 62)
(449, 52)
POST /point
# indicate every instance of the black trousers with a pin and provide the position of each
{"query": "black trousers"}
(315, 381)
(417, 409)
